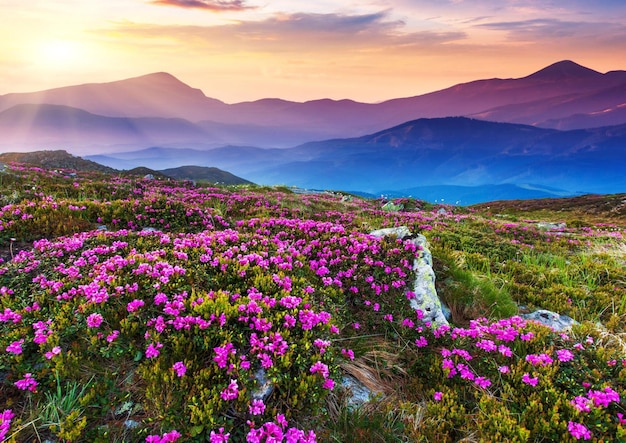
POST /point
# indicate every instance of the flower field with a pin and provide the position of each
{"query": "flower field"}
(160, 311)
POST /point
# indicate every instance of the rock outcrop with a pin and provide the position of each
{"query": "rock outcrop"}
(551, 319)
(426, 298)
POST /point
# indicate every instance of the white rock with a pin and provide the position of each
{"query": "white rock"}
(426, 298)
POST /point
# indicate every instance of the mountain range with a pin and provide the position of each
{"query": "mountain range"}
(159, 109)
(557, 131)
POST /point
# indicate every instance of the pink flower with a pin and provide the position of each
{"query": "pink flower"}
(319, 367)
(421, 342)
(113, 336)
(581, 403)
(134, 305)
(94, 320)
(527, 337)
(564, 355)
(532, 381)
(231, 392)
(27, 383)
(505, 350)
(168, 437)
(153, 351)
(503, 369)
(219, 437)
(180, 368)
(55, 351)
(5, 423)
(482, 382)
(437, 396)
(329, 384)
(578, 431)
(15, 347)
(257, 407)
(348, 353)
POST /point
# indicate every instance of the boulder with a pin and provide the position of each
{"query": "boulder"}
(551, 319)
(548, 226)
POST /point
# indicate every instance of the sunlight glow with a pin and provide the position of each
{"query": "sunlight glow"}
(60, 53)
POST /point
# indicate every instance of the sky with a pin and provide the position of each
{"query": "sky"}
(242, 50)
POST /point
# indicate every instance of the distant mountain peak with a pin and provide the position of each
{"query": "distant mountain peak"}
(564, 70)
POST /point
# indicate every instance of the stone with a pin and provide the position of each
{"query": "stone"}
(551, 319)
(148, 177)
(265, 387)
(548, 226)
(426, 298)
(392, 207)
(356, 392)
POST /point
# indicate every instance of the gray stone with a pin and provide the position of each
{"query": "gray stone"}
(400, 232)
(547, 226)
(551, 319)
(426, 298)
(392, 207)
(148, 177)
(357, 393)
(265, 388)
(131, 424)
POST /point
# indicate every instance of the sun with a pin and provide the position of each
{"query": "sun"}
(57, 53)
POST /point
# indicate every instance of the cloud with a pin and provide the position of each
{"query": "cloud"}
(299, 33)
(209, 5)
(555, 31)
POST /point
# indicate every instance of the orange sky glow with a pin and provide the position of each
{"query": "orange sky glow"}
(240, 50)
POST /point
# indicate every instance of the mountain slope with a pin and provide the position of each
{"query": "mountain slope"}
(54, 159)
(202, 173)
(42, 125)
(153, 95)
(563, 95)
(454, 151)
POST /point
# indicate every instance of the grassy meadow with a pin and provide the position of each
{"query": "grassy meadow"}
(161, 310)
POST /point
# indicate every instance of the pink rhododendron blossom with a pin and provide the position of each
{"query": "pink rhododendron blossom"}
(257, 407)
(153, 350)
(55, 351)
(180, 368)
(329, 384)
(581, 403)
(28, 383)
(134, 305)
(319, 367)
(94, 320)
(168, 437)
(5, 423)
(231, 392)
(578, 431)
(437, 396)
(421, 342)
(564, 355)
(532, 381)
(219, 436)
(348, 353)
(15, 347)
(113, 336)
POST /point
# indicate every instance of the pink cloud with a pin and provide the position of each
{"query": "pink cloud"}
(210, 5)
